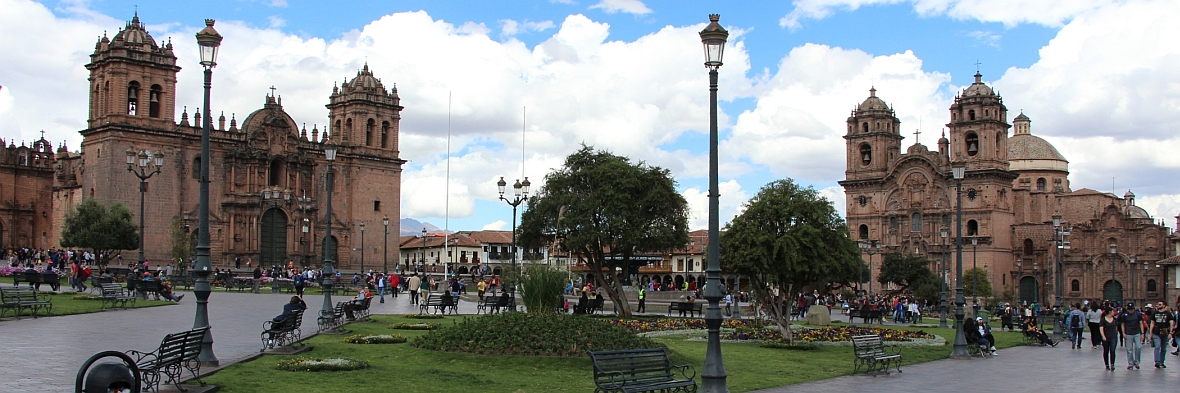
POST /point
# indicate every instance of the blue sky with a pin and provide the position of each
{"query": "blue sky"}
(625, 75)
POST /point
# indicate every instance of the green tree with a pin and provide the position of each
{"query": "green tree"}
(788, 237)
(605, 209)
(100, 228)
(183, 244)
(976, 283)
(906, 271)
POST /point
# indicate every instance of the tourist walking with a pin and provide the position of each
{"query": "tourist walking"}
(1108, 331)
(1132, 323)
(412, 285)
(1093, 319)
(381, 287)
(1162, 323)
(1077, 325)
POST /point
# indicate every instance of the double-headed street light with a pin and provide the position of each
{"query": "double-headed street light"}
(713, 375)
(143, 164)
(958, 171)
(329, 273)
(975, 276)
(209, 42)
(942, 283)
(870, 247)
(1059, 276)
(362, 248)
(385, 251)
(520, 191)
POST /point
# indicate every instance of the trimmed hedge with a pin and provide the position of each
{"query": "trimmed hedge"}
(375, 339)
(532, 335)
(317, 364)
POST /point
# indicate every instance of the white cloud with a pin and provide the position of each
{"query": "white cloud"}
(628, 6)
(986, 37)
(276, 22)
(1009, 12)
(511, 27)
(733, 197)
(835, 194)
(500, 225)
(278, 3)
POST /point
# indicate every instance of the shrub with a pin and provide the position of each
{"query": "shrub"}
(422, 316)
(541, 287)
(375, 339)
(318, 364)
(414, 326)
(531, 335)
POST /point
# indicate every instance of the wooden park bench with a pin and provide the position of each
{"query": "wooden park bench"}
(177, 352)
(145, 287)
(493, 304)
(640, 370)
(873, 355)
(359, 311)
(35, 279)
(283, 333)
(19, 299)
(867, 316)
(595, 305)
(114, 294)
(96, 282)
(440, 304)
(329, 321)
(691, 309)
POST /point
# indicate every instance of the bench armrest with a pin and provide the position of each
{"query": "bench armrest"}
(140, 357)
(685, 371)
(610, 380)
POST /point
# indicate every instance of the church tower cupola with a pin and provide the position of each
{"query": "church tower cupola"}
(133, 79)
(364, 114)
(979, 127)
(873, 138)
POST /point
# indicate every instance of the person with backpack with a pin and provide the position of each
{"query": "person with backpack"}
(1077, 325)
(1162, 323)
(300, 282)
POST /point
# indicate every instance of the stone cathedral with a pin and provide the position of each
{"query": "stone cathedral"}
(1015, 182)
(267, 173)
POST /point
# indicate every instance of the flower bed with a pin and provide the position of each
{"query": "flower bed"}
(423, 316)
(318, 364)
(375, 339)
(414, 326)
(663, 324)
(531, 335)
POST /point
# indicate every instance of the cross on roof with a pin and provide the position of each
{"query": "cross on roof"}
(272, 90)
(916, 133)
(977, 63)
(42, 134)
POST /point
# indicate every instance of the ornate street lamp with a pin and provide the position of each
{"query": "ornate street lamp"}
(975, 276)
(942, 284)
(520, 194)
(1114, 253)
(362, 248)
(871, 247)
(149, 164)
(1059, 276)
(209, 42)
(713, 374)
(385, 251)
(329, 273)
(958, 171)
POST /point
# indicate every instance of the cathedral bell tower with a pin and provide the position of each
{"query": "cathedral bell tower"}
(132, 80)
(873, 139)
(979, 128)
(364, 114)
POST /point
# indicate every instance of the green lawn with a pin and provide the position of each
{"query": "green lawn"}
(402, 367)
(65, 304)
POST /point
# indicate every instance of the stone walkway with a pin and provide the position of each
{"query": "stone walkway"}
(44, 354)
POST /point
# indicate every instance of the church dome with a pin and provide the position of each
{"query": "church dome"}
(364, 80)
(271, 114)
(1021, 117)
(135, 33)
(978, 88)
(1031, 147)
(1132, 211)
(872, 103)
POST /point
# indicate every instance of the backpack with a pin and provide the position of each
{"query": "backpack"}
(299, 280)
(1075, 322)
(86, 273)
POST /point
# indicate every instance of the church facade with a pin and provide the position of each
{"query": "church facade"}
(267, 174)
(1014, 186)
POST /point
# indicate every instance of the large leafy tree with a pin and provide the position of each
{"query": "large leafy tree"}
(788, 237)
(976, 283)
(182, 243)
(906, 271)
(606, 209)
(100, 228)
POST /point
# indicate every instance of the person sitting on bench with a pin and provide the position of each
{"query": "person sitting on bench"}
(356, 303)
(296, 304)
(580, 308)
(166, 291)
(1031, 329)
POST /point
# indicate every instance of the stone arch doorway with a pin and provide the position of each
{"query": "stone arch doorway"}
(1028, 289)
(272, 247)
(1112, 290)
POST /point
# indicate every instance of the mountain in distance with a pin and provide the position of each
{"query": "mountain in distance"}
(412, 227)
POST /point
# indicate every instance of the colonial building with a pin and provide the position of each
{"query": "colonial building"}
(26, 176)
(1014, 186)
(267, 174)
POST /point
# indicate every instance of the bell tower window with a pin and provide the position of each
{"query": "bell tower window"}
(369, 133)
(384, 134)
(972, 228)
(866, 154)
(1041, 184)
(864, 127)
(971, 114)
(972, 143)
(864, 232)
(154, 101)
(132, 98)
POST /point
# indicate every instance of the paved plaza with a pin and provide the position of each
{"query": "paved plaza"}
(43, 355)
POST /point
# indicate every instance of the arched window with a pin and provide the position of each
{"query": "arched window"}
(276, 173)
(196, 171)
(946, 220)
(1028, 247)
(864, 232)
(893, 222)
(972, 143)
(154, 101)
(369, 132)
(864, 126)
(347, 129)
(384, 134)
(1075, 286)
(1151, 286)
(971, 114)
(972, 228)
(866, 154)
(916, 222)
(132, 98)
(1041, 184)
(986, 113)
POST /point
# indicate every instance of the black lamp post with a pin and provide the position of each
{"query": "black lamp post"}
(870, 247)
(958, 170)
(423, 260)
(1131, 276)
(143, 164)
(305, 205)
(362, 248)
(713, 375)
(209, 42)
(520, 192)
(1114, 253)
(385, 250)
(942, 284)
(1059, 276)
(975, 275)
(329, 273)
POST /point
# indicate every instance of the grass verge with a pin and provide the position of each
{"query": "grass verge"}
(65, 303)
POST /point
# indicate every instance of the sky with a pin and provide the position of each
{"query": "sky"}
(518, 85)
